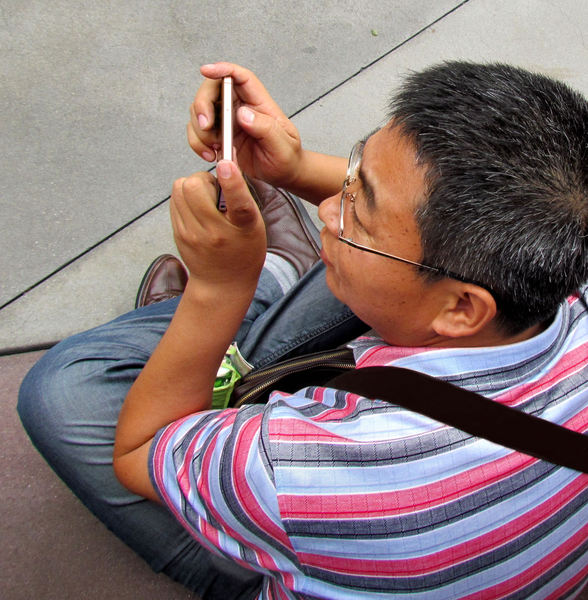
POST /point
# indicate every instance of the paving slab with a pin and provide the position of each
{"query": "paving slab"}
(52, 547)
(537, 34)
(94, 101)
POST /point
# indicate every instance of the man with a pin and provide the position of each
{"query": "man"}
(460, 238)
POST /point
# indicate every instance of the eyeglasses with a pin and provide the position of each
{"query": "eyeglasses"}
(352, 171)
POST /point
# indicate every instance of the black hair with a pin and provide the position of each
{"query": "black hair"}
(506, 199)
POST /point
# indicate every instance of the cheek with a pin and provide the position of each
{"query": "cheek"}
(342, 274)
(345, 265)
(355, 282)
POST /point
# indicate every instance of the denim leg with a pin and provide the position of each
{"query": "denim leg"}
(306, 319)
(69, 404)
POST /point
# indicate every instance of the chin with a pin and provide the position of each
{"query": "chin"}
(331, 281)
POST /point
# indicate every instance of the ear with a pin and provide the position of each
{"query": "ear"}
(468, 310)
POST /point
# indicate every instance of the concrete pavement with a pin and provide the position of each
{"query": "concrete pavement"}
(94, 101)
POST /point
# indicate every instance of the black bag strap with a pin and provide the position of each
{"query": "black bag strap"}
(469, 412)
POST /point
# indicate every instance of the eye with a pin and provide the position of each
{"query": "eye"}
(354, 216)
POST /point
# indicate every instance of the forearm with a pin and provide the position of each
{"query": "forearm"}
(178, 378)
(224, 254)
(319, 176)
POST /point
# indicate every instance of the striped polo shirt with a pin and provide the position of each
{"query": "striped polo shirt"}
(331, 495)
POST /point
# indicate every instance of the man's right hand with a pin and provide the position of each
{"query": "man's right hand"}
(267, 143)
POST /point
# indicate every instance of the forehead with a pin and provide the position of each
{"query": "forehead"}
(389, 163)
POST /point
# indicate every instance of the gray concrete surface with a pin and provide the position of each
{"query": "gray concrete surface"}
(94, 99)
(538, 34)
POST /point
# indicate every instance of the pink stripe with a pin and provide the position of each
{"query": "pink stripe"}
(529, 575)
(384, 354)
(159, 466)
(247, 498)
(297, 430)
(454, 554)
(397, 502)
(573, 361)
(568, 585)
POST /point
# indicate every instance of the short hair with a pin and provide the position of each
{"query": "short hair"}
(506, 196)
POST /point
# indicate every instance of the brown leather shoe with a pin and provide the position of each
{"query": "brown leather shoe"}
(289, 228)
(165, 278)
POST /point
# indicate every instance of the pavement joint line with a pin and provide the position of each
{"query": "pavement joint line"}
(378, 59)
(86, 251)
(15, 350)
(44, 346)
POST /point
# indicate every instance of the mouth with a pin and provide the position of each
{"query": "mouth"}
(324, 257)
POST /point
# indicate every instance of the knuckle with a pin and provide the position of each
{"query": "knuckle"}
(177, 186)
(244, 216)
(198, 106)
(192, 185)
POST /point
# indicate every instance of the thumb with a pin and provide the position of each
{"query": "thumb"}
(242, 211)
(258, 125)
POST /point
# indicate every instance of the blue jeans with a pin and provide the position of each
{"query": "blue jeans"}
(70, 400)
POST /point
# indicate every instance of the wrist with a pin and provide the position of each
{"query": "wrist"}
(212, 296)
(299, 173)
(317, 176)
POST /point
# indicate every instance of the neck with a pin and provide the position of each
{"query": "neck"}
(488, 337)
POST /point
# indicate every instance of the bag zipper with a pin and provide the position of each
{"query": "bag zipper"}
(334, 359)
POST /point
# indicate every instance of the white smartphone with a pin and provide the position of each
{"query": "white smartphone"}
(226, 118)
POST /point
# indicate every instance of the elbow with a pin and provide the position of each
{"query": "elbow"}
(119, 464)
(132, 471)
(119, 471)
(122, 470)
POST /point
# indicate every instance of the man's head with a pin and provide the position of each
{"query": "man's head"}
(507, 181)
(482, 172)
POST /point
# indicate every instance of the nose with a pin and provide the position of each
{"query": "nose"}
(328, 213)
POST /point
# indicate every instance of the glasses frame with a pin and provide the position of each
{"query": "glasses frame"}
(352, 169)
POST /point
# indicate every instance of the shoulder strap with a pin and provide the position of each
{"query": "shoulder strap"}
(469, 412)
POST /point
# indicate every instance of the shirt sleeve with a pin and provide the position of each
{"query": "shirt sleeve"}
(213, 470)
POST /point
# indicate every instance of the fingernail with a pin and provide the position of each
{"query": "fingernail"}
(209, 156)
(202, 121)
(247, 115)
(223, 168)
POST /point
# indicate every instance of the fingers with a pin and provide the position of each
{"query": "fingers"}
(242, 211)
(203, 132)
(263, 127)
(247, 86)
(193, 202)
(274, 136)
(218, 248)
(203, 137)
(192, 199)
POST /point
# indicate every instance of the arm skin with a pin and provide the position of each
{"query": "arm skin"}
(224, 253)
(319, 176)
(267, 143)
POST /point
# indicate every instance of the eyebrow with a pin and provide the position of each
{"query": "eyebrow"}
(367, 188)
